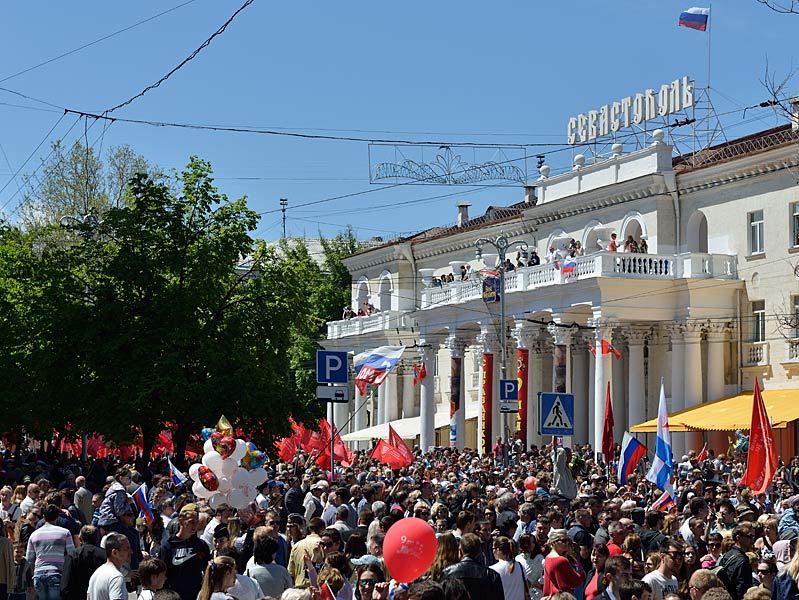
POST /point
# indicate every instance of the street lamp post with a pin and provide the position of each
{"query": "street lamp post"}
(501, 243)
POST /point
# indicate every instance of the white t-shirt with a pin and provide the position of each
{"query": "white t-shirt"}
(246, 588)
(512, 583)
(660, 584)
(107, 583)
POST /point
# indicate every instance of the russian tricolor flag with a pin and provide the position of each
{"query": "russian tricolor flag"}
(663, 503)
(373, 366)
(569, 265)
(631, 452)
(695, 18)
(177, 477)
(140, 500)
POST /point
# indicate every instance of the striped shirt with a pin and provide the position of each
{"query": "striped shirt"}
(48, 547)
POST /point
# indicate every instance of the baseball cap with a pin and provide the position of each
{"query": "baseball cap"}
(366, 560)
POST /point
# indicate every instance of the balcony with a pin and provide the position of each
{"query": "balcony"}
(390, 319)
(756, 354)
(600, 264)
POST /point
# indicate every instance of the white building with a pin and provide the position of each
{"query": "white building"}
(711, 306)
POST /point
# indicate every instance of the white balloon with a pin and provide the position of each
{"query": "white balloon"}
(193, 471)
(240, 451)
(215, 499)
(208, 446)
(237, 499)
(229, 466)
(199, 490)
(213, 460)
(257, 477)
(240, 478)
(224, 485)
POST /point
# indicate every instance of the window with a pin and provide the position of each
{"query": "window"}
(794, 240)
(795, 323)
(756, 232)
(759, 321)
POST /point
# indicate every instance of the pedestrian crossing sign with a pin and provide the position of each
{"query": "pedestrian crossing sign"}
(557, 414)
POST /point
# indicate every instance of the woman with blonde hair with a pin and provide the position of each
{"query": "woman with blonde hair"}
(669, 525)
(511, 572)
(446, 555)
(220, 575)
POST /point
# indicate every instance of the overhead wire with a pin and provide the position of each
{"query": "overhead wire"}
(191, 56)
(97, 41)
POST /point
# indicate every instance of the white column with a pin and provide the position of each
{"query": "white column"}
(341, 414)
(392, 397)
(602, 372)
(408, 391)
(579, 379)
(359, 419)
(636, 413)
(591, 412)
(427, 408)
(716, 345)
(382, 401)
(693, 378)
(618, 391)
(677, 385)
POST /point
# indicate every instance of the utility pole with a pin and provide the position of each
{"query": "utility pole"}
(284, 202)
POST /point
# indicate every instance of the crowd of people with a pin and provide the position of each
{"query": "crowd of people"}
(513, 525)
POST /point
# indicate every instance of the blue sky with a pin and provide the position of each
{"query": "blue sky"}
(505, 73)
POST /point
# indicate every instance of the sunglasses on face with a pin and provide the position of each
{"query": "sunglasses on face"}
(367, 582)
(765, 571)
(714, 545)
(326, 544)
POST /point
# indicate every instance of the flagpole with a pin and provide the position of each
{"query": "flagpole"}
(709, 32)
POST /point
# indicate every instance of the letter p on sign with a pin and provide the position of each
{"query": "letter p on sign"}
(331, 367)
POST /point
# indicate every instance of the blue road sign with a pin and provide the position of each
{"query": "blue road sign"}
(508, 395)
(331, 367)
(557, 414)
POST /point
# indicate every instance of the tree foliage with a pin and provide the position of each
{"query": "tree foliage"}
(165, 313)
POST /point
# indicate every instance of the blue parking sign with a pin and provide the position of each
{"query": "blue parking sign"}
(331, 367)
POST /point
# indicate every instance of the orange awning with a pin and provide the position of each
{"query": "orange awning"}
(730, 413)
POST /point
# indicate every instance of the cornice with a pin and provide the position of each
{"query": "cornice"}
(739, 169)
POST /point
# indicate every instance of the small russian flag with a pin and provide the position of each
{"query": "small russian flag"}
(569, 265)
(695, 18)
(664, 503)
(177, 477)
(632, 451)
(140, 500)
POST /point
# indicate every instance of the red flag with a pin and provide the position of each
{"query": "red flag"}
(387, 454)
(761, 463)
(608, 348)
(702, 454)
(327, 592)
(419, 373)
(397, 442)
(607, 431)
(287, 448)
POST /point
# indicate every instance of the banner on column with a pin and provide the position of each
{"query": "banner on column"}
(521, 374)
(488, 402)
(454, 399)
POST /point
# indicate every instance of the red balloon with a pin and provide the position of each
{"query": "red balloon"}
(529, 483)
(409, 549)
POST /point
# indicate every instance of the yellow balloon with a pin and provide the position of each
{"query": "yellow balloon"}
(224, 426)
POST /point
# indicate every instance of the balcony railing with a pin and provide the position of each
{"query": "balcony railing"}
(755, 354)
(792, 350)
(390, 319)
(600, 264)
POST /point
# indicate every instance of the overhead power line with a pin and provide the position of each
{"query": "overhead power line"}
(97, 41)
(204, 45)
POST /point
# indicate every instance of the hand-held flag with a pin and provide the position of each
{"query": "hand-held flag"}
(761, 460)
(662, 471)
(373, 366)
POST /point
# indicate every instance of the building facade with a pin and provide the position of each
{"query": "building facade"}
(711, 305)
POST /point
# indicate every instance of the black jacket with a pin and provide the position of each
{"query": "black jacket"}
(185, 565)
(737, 572)
(482, 582)
(78, 569)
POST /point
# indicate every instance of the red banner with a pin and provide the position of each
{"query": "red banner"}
(523, 355)
(487, 406)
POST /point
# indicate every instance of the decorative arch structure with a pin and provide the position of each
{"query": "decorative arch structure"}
(633, 225)
(696, 233)
(384, 288)
(362, 293)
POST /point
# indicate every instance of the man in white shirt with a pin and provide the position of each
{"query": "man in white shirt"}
(662, 579)
(108, 582)
(223, 513)
(34, 493)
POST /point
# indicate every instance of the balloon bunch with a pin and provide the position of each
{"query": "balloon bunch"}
(231, 469)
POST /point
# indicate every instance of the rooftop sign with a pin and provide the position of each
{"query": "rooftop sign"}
(632, 110)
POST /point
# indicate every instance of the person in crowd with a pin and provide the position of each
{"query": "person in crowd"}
(562, 572)
(481, 581)
(663, 580)
(152, 575)
(108, 581)
(369, 578)
(736, 568)
(47, 550)
(446, 555)
(219, 576)
(273, 578)
(617, 570)
(186, 555)
(594, 584)
(81, 563)
(511, 572)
